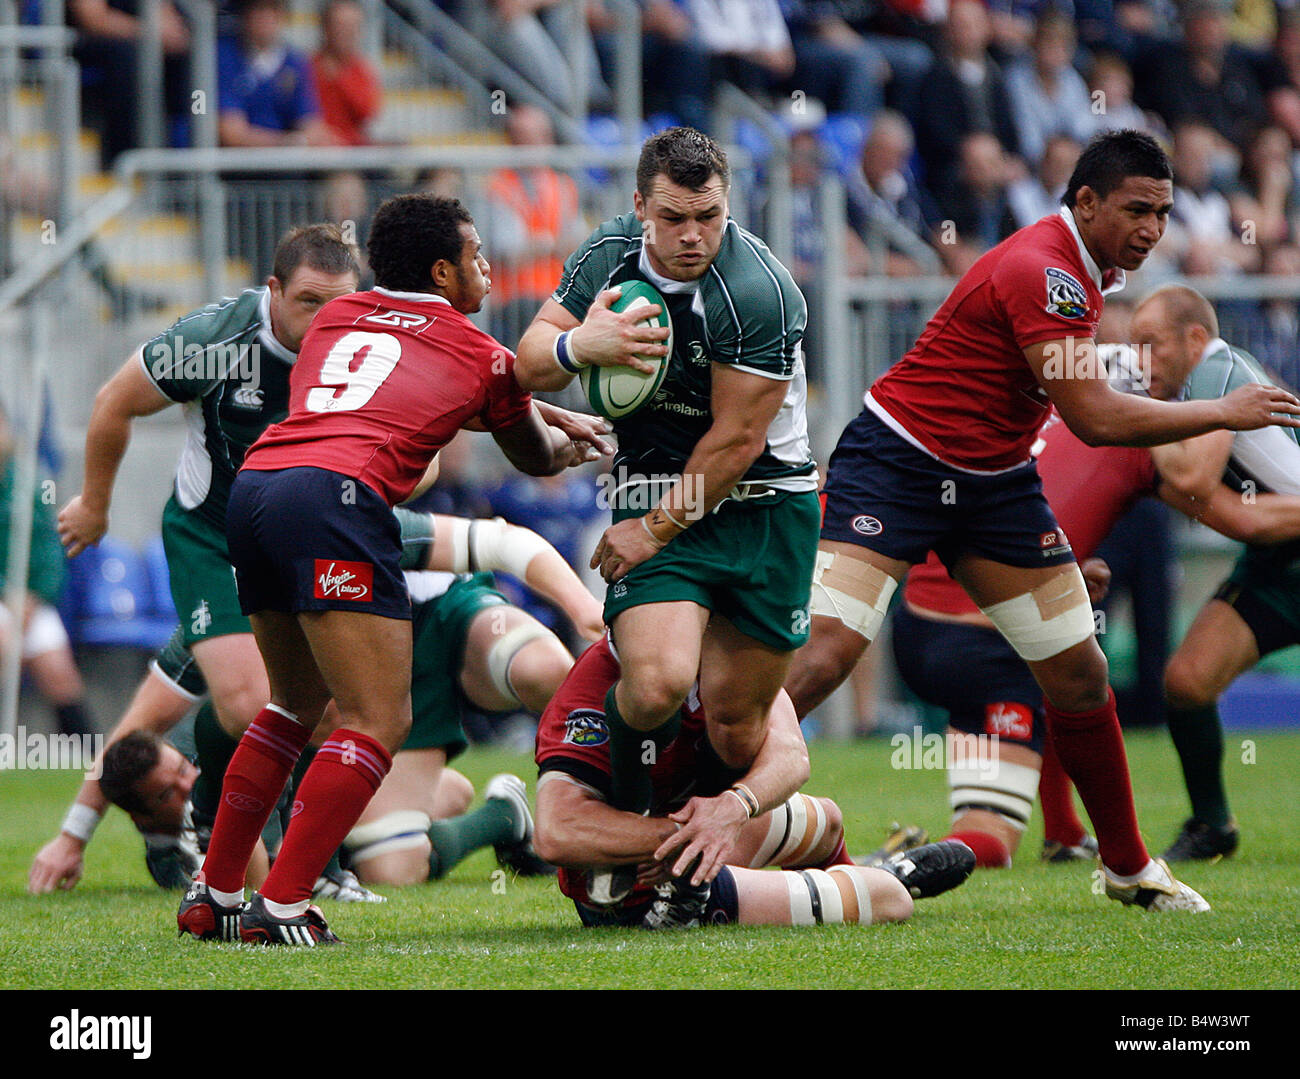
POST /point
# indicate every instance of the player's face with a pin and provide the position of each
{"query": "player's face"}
(164, 791)
(1121, 229)
(294, 303)
(466, 284)
(683, 228)
(1167, 349)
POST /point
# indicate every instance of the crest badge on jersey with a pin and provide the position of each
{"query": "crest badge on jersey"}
(1066, 296)
(586, 727)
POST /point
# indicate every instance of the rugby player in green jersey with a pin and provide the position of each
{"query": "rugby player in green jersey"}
(709, 559)
(1256, 611)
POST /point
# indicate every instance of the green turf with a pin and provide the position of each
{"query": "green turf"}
(1028, 927)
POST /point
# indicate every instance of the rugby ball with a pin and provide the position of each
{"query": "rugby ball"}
(615, 392)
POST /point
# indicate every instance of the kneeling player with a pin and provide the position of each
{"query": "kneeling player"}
(698, 854)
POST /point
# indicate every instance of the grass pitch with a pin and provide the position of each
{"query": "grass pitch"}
(1033, 926)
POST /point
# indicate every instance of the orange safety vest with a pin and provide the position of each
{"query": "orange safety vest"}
(546, 212)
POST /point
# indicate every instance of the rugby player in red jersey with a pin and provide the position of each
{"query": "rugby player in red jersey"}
(709, 829)
(940, 460)
(951, 655)
(384, 379)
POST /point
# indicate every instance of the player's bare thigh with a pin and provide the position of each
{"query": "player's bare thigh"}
(1218, 648)
(659, 647)
(236, 676)
(294, 681)
(535, 671)
(834, 647)
(739, 679)
(364, 661)
(411, 785)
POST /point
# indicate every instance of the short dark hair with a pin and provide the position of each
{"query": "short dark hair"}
(125, 763)
(321, 247)
(1112, 157)
(409, 234)
(689, 158)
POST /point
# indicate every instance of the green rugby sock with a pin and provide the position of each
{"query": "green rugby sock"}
(213, 748)
(1198, 738)
(631, 758)
(456, 837)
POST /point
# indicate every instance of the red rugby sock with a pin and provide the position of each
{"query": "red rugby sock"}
(1056, 795)
(254, 779)
(839, 856)
(1091, 749)
(347, 771)
(990, 851)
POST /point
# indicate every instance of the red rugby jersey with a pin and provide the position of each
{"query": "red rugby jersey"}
(572, 737)
(1088, 487)
(965, 393)
(382, 382)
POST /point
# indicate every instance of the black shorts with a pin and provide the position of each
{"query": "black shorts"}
(971, 673)
(884, 494)
(307, 539)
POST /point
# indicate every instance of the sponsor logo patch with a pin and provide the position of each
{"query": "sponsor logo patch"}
(866, 526)
(1009, 719)
(586, 727)
(1053, 543)
(1065, 295)
(343, 580)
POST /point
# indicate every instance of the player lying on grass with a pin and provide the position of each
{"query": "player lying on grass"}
(1256, 611)
(710, 828)
(950, 655)
(497, 648)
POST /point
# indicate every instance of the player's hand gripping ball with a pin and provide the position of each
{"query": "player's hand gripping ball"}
(619, 391)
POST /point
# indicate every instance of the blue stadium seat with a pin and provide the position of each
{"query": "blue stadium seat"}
(110, 601)
(843, 135)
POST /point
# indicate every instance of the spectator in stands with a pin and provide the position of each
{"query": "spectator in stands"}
(1200, 233)
(978, 206)
(1280, 75)
(264, 88)
(886, 206)
(37, 629)
(1048, 96)
(1110, 97)
(1272, 333)
(674, 65)
(533, 222)
(1034, 197)
(1014, 23)
(963, 92)
(1263, 202)
(747, 40)
(108, 46)
(842, 59)
(1205, 78)
(347, 86)
(532, 36)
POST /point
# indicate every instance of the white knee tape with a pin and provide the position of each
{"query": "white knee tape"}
(403, 830)
(852, 874)
(504, 650)
(1045, 622)
(855, 592)
(797, 826)
(814, 898)
(491, 545)
(1005, 788)
(45, 633)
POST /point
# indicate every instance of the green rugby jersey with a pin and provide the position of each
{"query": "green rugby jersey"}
(1268, 458)
(746, 311)
(223, 364)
